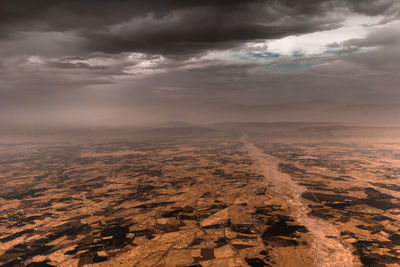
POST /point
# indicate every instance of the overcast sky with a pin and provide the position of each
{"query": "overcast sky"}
(97, 62)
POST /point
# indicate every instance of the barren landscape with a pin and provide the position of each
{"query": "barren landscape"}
(227, 195)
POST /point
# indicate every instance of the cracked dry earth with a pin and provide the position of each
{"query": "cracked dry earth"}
(215, 201)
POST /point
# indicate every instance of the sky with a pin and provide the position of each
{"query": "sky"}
(118, 63)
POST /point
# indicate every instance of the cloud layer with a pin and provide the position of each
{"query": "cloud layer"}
(122, 62)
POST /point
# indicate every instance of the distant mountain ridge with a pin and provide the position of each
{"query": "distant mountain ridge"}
(176, 124)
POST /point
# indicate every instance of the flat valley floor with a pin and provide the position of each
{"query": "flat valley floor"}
(250, 194)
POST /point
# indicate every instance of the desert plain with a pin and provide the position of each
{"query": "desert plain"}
(231, 194)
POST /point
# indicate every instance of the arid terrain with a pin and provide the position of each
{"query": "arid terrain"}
(252, 194)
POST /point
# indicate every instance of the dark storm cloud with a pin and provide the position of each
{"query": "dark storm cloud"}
(119, 61)
(374, 8)
(174, 26)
